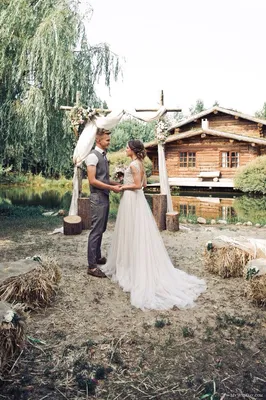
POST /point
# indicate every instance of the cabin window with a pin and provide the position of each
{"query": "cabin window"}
(228, 212)
(187, 209)
(155, 164)
(230, 159)
(187, 159)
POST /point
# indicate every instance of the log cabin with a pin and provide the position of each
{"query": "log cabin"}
(206, 149)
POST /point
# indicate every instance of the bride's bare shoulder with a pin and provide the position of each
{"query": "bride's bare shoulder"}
(135, 164)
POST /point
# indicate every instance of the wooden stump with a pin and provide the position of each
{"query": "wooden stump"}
(159, 209)
(79, 180)
(84, 211)
(72, 225)
(172, 221)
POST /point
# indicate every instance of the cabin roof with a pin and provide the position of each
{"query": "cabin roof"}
(212, 132)
(220, 109)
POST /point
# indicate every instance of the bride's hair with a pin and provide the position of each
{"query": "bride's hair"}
(138, 147)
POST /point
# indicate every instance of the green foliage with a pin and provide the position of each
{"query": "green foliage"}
(187, 331)
(161, 323)
(44, 59)
(262, 112)
(11, 211)
(4, 171)
(131, 129)
(250, 208)
(199, 107)
(251, 177)
(120, 159)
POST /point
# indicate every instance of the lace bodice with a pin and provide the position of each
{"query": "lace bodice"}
(128, 177)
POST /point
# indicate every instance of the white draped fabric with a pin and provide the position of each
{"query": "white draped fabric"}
(164, 183)
(86, 142)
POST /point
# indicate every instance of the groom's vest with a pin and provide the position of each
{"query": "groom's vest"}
(102, 173)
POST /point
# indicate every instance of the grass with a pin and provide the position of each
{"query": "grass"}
(30, 179)
(15, 219)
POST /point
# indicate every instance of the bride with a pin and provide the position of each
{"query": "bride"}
(137, 258)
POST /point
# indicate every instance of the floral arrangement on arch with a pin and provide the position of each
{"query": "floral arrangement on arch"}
(161, 131)
(79, 116)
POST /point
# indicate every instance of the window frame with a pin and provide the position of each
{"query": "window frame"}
(187, 159)
(232, 159)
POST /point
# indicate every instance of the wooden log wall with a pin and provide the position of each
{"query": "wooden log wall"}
(228, 123)
(208, 156)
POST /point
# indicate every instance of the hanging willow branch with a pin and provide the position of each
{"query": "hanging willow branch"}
(44, 59)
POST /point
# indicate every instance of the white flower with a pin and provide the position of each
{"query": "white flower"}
(9, 315)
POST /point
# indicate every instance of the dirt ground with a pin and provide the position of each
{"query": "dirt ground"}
(95, 345)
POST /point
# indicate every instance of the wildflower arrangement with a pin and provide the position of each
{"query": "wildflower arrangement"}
(79, 116)
(161, 131)
(119, 173)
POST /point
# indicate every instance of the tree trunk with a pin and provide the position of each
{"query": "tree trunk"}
(172, 221)
(72, 225)
(84, 211)
(159, 209)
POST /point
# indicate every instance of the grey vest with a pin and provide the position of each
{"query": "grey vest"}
(102, 173)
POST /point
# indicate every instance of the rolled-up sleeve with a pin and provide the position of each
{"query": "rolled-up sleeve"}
(92, 159)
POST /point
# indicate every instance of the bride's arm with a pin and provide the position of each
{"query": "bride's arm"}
(144, 181)
(137, 180)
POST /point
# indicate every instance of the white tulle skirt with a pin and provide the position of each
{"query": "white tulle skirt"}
(139, 262)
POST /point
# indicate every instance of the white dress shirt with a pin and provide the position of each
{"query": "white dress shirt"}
(92, 159)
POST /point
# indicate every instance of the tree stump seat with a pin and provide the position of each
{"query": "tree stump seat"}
(84, 211)
(172, 221)
(72, 225)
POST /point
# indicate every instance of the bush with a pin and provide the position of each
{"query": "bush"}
(119, 159)
(251, 177)
(250, 208)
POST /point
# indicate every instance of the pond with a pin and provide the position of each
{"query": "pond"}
(230, 206)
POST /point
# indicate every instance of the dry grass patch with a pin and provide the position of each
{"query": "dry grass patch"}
(226, 260)
(256, 281)
(12, 334)
(35, 288)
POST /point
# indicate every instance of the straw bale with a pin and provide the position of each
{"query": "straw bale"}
(255, 289)
(35, 285)
(226, 260)
(12, 334)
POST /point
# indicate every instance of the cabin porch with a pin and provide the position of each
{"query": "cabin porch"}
(194, 182)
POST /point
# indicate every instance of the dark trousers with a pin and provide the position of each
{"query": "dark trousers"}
(99, 218)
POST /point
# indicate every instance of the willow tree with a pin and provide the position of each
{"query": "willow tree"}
(45, 58)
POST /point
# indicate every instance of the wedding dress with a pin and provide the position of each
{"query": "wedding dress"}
(139, 262)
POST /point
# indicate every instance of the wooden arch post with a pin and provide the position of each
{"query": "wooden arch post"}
(74, 224)
(163, 219)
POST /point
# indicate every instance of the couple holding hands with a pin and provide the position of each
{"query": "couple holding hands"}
(137, 259)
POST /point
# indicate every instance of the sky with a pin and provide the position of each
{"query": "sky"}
(191, 49)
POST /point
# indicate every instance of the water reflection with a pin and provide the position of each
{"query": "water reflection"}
(28, 196)
(227, 206)
(230, 206)
(206, 207)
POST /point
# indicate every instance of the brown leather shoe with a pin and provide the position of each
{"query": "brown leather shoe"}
(96, 272)
(101, 261)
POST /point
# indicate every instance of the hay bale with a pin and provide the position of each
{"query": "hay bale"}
(225, 260)
(12, 334)
(255, 289)
(33, 283)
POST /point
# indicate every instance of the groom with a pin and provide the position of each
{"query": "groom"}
(100, 185)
